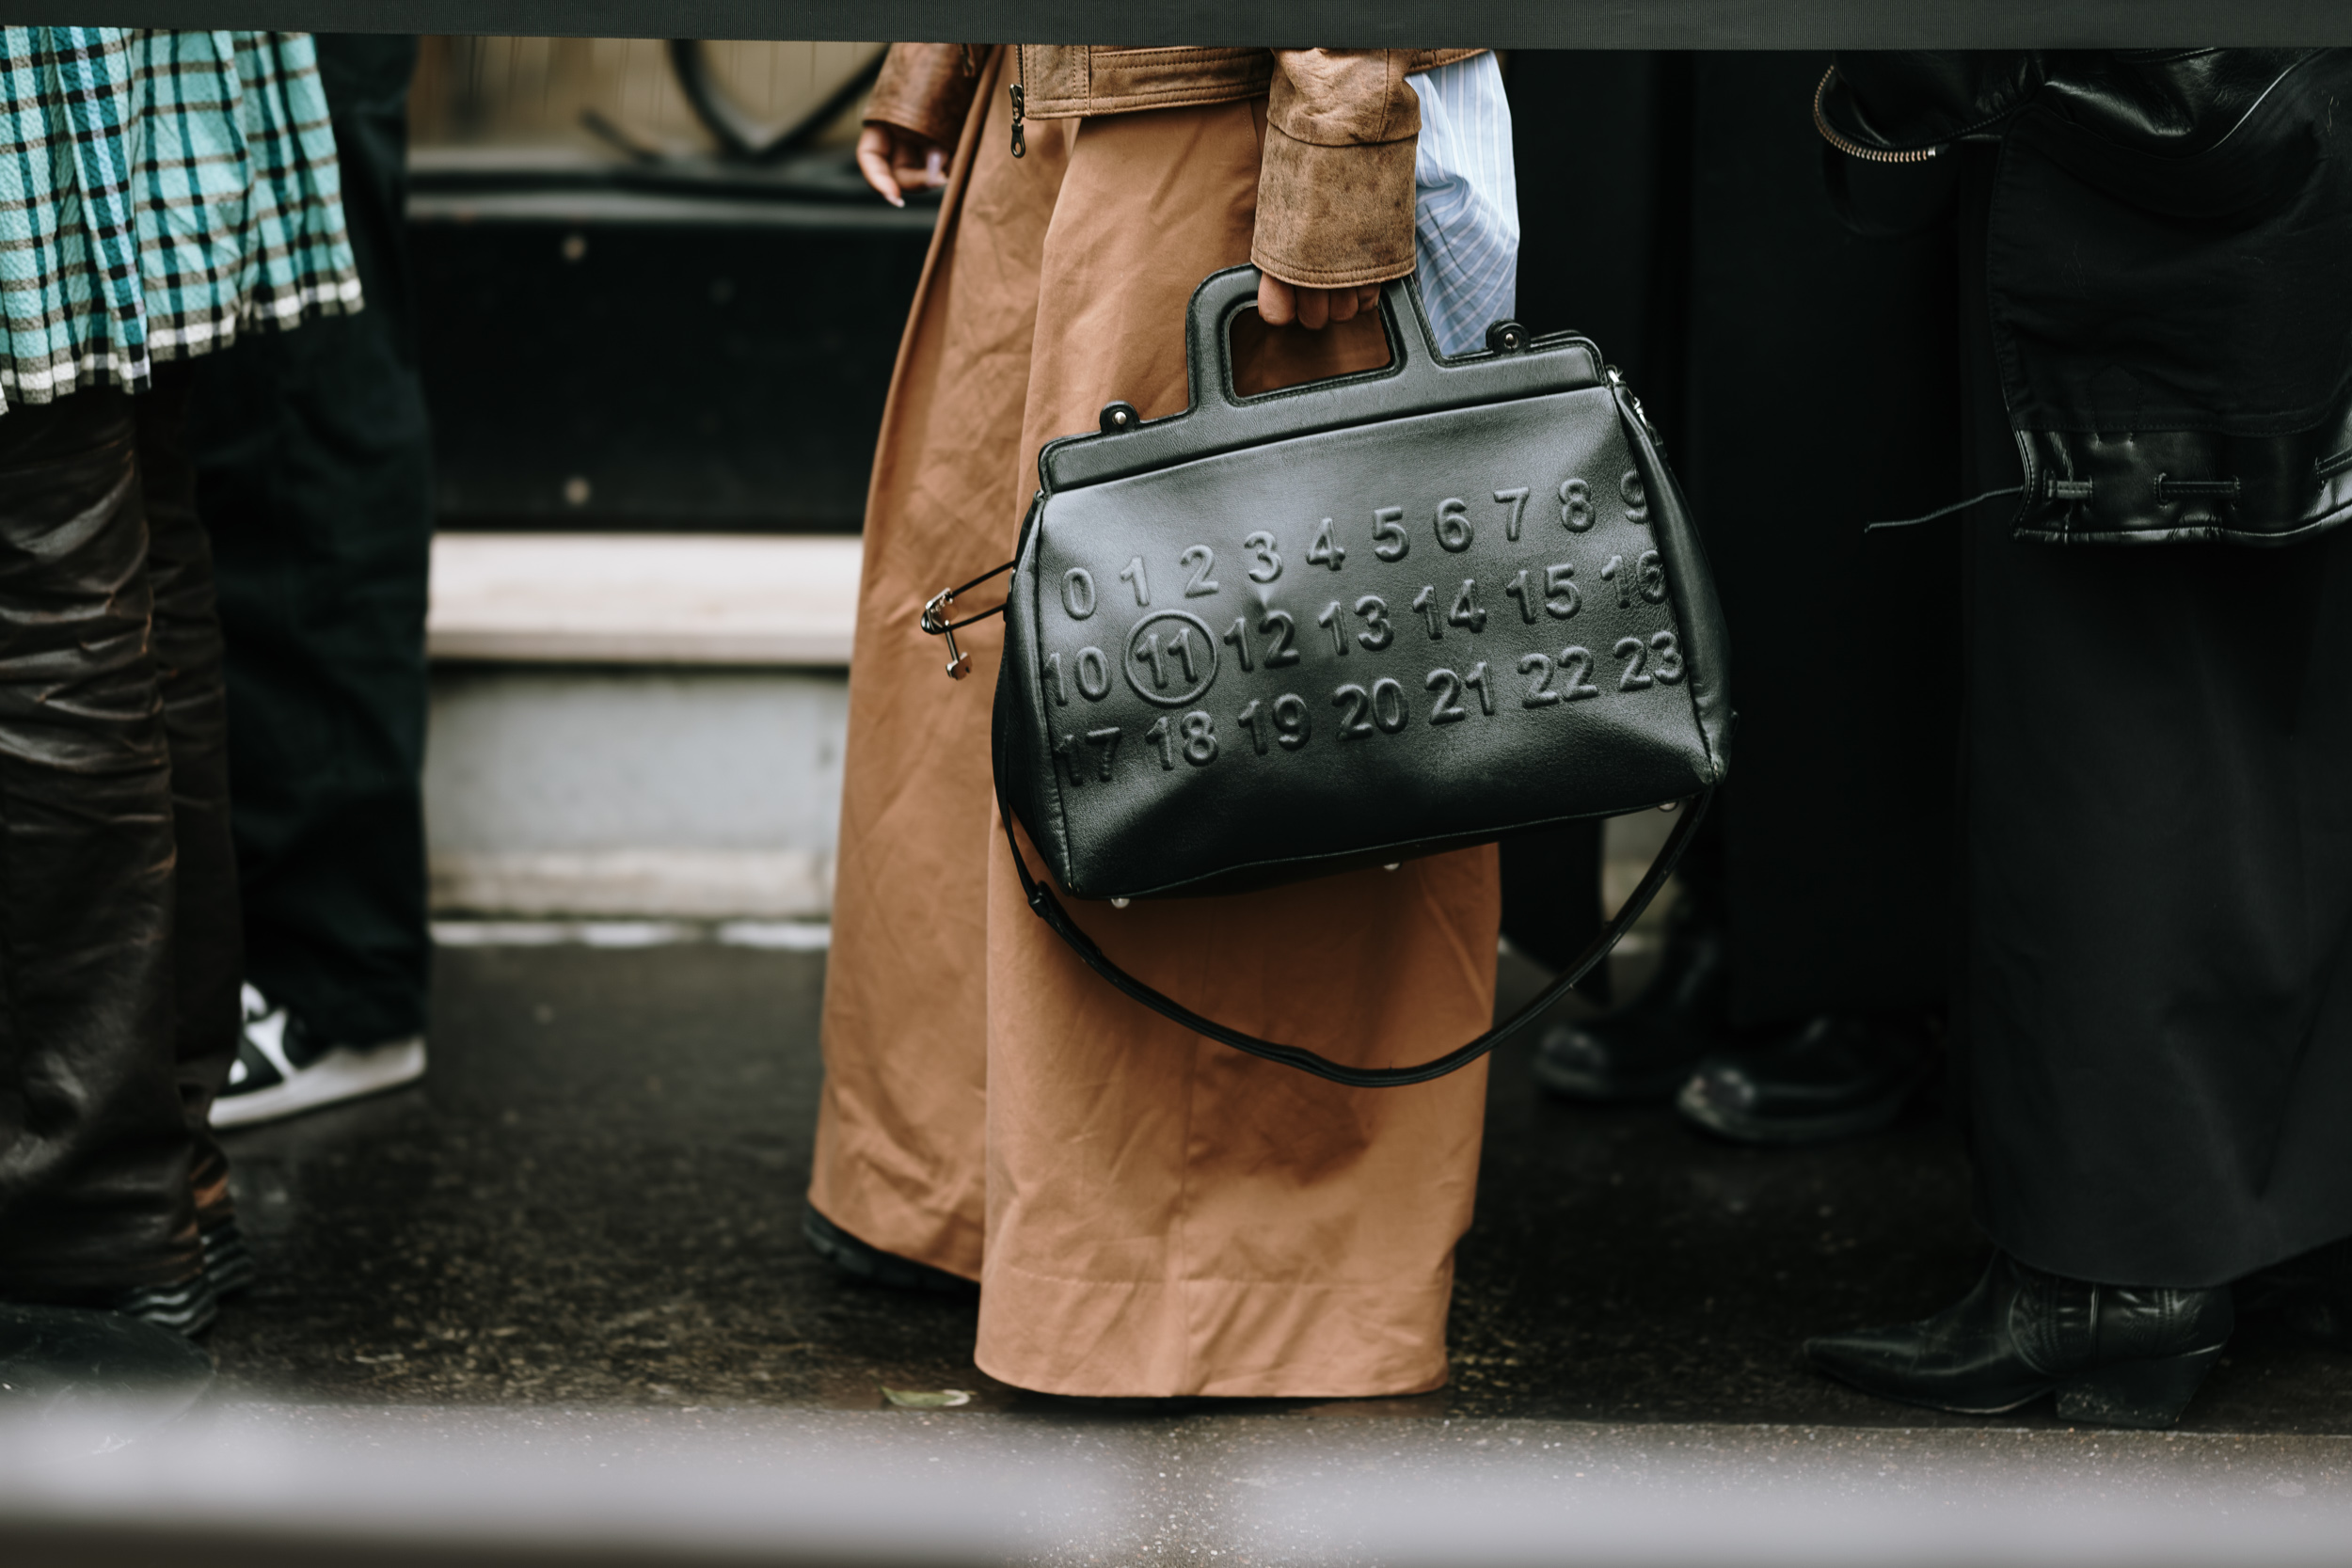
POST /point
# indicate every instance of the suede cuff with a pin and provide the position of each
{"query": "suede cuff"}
(1330, 218)
(926, 89)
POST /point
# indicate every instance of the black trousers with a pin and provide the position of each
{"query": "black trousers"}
(119, 928)
(2154, 1049)
(1805, 378)
(316, 477)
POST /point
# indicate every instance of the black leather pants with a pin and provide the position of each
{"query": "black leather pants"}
(119, 953)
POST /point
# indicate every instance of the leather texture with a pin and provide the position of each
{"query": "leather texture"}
(1350, 623)
(926, 89)
(1335, 196)
(2169, 232)
(2173, 486)
(1076, 80)
(2124, 1355)
(1168, 585)
(119, 942)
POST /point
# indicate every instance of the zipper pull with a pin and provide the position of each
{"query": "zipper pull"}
(1617, 380)
(1020, 142)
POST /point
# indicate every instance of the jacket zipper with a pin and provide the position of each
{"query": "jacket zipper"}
(1020, 69)
(1855, 149)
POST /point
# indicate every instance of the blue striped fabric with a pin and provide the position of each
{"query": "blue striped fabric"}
(1466, 209)
(159, 192)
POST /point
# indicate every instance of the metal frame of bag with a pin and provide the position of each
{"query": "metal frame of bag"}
(1495, 484)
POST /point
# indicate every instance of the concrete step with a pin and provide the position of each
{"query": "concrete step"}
(722, 601)
(638, 725)
(651, 726)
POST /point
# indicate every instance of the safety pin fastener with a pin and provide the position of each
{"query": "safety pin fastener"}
(936, 624)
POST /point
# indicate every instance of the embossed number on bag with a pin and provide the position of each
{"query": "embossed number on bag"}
(1171, 655)
(1201, 559)
(1325, 550)
(1171, 658)
(1195, 740)
(1454, 525)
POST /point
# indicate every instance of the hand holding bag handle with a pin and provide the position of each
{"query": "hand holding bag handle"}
(1416, 379)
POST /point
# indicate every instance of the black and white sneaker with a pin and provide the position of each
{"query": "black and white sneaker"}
(280, 1071)
(186, 1308)
(227, 1263)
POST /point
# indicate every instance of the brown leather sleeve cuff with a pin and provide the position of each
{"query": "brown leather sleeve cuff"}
(924, 87)
(1430, 59)
(1330, 218)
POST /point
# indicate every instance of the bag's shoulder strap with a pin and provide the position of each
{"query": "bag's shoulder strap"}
(1049, 908)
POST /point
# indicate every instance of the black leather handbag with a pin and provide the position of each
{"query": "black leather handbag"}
(1350, 623)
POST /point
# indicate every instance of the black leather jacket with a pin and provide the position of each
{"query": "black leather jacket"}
(2169, 267)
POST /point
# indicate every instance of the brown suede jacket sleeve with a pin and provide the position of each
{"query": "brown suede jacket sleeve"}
(1335, 192)
(926, 89)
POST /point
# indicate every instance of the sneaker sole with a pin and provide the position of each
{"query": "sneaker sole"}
(341, 1074)
(190, 1308)
(227, 1261)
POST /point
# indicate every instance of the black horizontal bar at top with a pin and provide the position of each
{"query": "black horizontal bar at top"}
(1504, 24)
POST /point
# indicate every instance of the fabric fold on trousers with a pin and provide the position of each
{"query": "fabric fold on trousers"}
(1162, 1215)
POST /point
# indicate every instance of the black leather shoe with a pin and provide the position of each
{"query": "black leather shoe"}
(2114, 1356)
(1642, 1050)
(1830, 1077)
(870, 1265)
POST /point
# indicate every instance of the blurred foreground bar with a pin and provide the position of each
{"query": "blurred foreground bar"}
(1504, 24)
(266, 1485)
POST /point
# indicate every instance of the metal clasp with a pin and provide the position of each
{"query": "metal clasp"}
(935, 622)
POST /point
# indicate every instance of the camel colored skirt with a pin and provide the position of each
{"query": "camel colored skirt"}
(1149, 1214)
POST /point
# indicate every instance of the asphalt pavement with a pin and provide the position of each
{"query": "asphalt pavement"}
(575, 1248)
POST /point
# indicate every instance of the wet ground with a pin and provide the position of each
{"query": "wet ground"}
(595, 1201)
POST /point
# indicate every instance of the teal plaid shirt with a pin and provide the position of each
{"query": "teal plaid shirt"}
(159, 191)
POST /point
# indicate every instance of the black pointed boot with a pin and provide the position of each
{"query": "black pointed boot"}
(2114, 1356)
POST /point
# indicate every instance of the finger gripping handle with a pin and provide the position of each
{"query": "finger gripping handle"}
(1223, 295)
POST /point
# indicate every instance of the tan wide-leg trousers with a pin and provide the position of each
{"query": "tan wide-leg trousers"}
(1148, 1213)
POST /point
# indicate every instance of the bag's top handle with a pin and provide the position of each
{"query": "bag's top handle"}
(1223, 295)
(1416, 380)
